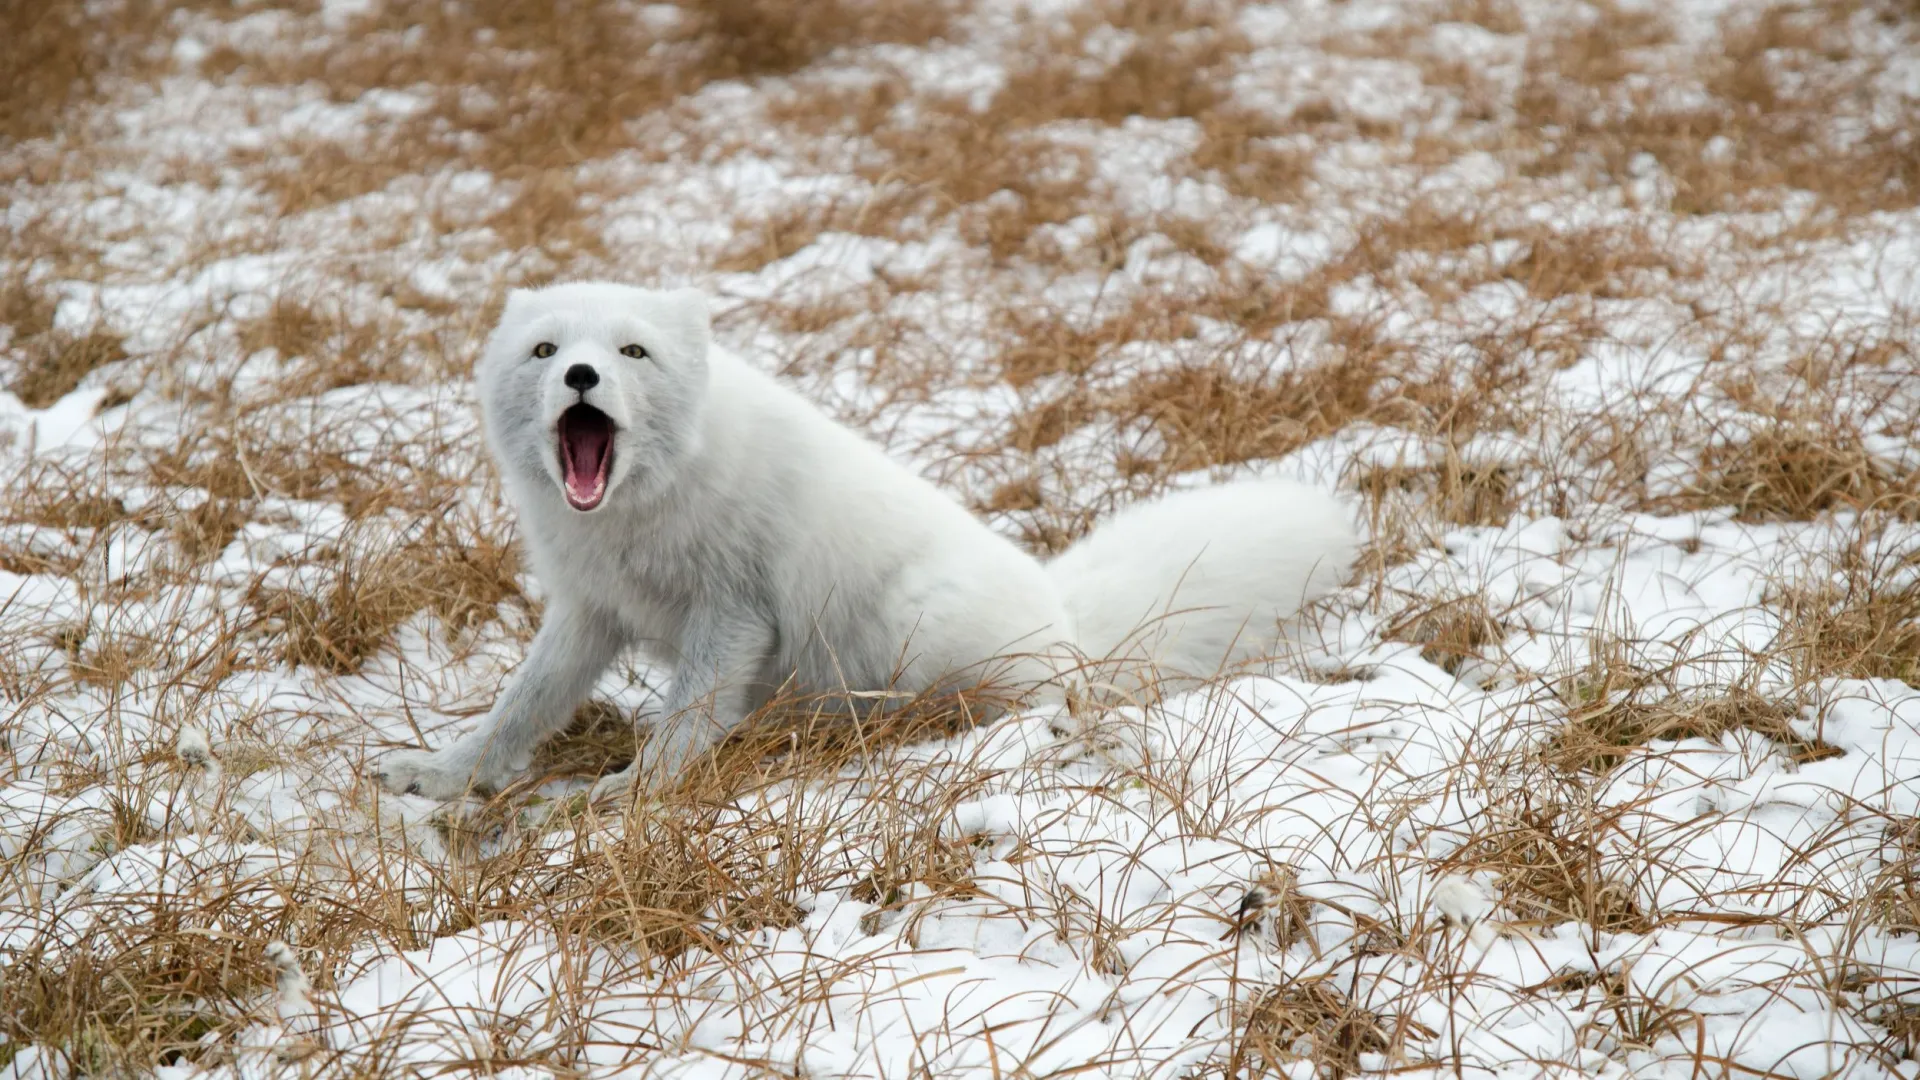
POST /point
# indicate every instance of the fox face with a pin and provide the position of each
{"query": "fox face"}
(595, 390)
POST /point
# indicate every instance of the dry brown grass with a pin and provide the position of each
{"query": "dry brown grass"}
(327, 348)
(1862, 620)
(57, 55)
(1171, 65)
(1893, 898)
(1751, 138)
(1244, 148)
(601, 739)
(462, 578)
(1114, 394)
(1450, 632)
(249, 458)
(108, 659)
(144, 994)
(67, 498)
(671, 883)
(206, 530)
(713, 866)
(667, 884)
(1606, 264)
(1311, 1021)
(747, 38)
(1551, 858)
(956, 160)
(1455, 491)
(49, 363)
(564, 86)
(1599, 736)
(569, 102)
(1798, 469)
(1207, 417)
(58, 362)
(769, 239)
(990, 167)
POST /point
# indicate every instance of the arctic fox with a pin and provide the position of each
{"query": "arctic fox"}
(675, 499)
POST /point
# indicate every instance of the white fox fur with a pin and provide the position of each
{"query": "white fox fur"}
(748, 542)
(1200, 581)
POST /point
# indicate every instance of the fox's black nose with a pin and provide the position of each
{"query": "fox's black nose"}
(581, 377)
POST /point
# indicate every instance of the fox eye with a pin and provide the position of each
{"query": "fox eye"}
(635, 351)
(544, 350)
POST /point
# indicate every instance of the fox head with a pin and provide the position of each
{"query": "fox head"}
(595, 391)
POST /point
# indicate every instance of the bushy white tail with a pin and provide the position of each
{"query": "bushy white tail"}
(1188, 585)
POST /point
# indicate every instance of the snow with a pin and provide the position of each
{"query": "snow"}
(1090, 925)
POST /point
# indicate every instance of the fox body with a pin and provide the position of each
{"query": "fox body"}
(677, 500)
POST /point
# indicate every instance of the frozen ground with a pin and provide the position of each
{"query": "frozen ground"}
(1602, 315)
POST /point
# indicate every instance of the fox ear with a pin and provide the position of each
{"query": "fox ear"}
(517, 301)
(689, 321)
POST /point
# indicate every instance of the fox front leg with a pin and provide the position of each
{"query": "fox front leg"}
(711, 694)
(573, 647)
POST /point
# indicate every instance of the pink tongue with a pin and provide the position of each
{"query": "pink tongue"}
(587, 460)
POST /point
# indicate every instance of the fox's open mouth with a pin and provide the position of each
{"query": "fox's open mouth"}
(586, 455)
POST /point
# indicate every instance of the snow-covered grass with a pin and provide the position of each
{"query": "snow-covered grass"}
(1603, 315)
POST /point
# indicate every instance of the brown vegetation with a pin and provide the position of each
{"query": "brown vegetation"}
(1614, 192)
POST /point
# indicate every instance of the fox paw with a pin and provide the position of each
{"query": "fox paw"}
(434, 774)
(615, 792)
(613, 786)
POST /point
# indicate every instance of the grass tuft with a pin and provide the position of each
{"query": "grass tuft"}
(1862, 620)
(1311, 1021)
(374, 588)
(1796, 470)
(1553, 861)
(1092, 249)
(1599, 737)
(1451, 633)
